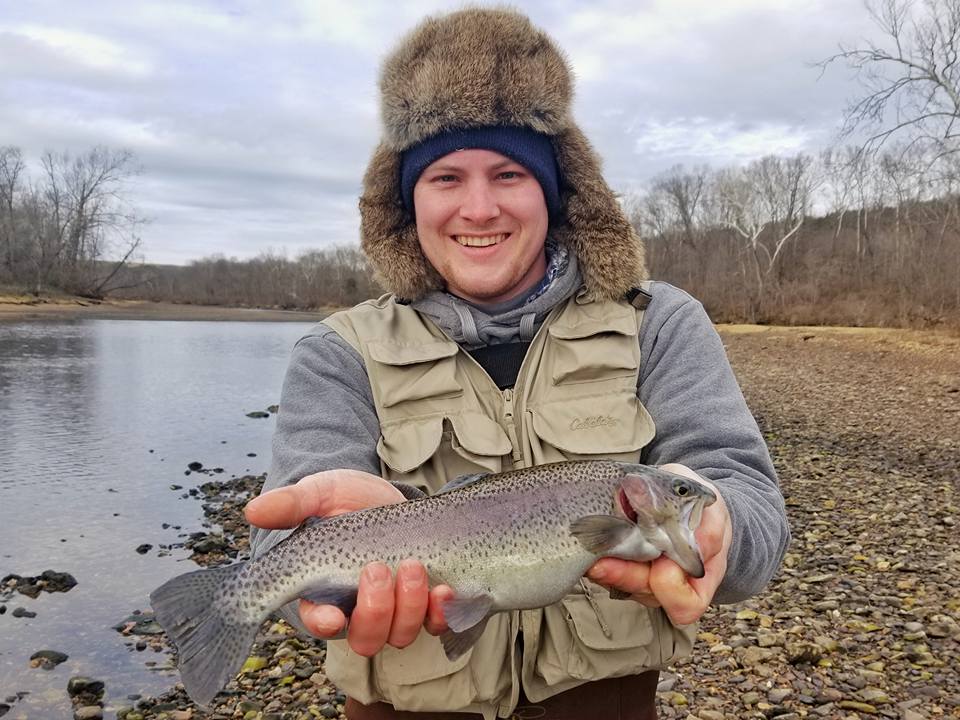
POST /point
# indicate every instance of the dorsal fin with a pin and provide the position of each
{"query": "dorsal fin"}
(463, 481)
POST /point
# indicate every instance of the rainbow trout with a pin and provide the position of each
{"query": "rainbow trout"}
(508, 541)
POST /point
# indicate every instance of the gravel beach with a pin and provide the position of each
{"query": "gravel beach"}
(863, 620)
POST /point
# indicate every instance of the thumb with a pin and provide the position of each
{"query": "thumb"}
(322, 494)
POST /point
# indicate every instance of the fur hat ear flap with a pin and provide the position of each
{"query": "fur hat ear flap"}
(609, 250)
(388, 235)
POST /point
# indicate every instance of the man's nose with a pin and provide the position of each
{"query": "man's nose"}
(480, 203)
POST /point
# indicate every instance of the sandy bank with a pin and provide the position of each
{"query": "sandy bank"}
(18, 308)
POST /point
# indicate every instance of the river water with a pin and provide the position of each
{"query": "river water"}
(98, 418)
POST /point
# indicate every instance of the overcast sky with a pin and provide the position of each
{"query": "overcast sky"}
(253, 122)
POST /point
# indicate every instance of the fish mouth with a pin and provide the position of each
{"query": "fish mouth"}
(623, 502)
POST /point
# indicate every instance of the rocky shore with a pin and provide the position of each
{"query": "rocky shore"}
(863, 620)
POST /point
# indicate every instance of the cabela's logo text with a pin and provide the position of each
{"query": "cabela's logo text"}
(595, 421)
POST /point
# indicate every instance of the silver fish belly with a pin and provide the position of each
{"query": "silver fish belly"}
(508, 541)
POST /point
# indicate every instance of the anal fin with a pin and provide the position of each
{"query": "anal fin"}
(464, 612)
(455, 644)
(343, 596)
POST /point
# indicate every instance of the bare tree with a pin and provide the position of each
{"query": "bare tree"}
(90, 217)
(911, 79)
(11, 171)
(766, 204)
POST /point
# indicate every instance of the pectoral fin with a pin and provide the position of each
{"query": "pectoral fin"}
(601, 533)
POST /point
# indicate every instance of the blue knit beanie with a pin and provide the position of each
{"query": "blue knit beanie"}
(531, 149)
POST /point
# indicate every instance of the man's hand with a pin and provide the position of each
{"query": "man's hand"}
(663, 583)
(389, 610)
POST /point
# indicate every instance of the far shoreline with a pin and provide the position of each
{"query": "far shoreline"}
(21, 309)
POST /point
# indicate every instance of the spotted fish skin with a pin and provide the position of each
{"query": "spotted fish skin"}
(508, 541)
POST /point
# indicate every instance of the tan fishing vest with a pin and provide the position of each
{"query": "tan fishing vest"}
(441, 416)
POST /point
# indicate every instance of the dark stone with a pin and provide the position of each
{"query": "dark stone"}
(273, 409)
(4, 709)
(49, 659)
(80, 685)
(57, 581)
(23, 613)
(176, 487)
(144, 549)
(48, 580)
(195, 465)
(209, 544)
(251, 454)
(257, 414)
(139, 624)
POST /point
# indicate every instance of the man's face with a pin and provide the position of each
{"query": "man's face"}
(482, 222)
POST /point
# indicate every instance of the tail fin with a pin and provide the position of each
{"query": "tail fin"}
(212, 647)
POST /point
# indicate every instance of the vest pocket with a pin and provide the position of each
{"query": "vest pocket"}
(431, 451)
(590, 426)
(594, 359)
(596, 637)
(420, 677)
(406, 373)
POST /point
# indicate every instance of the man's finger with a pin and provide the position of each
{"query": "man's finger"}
(371, 618)
(626, 575)
(320, 495)
(410, 608)
(280, 508)
(679, 599)
(436, 623)
(324, 621)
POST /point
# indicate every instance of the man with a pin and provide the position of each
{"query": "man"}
(515, 334)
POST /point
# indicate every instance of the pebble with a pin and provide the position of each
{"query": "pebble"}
(80, 685)
(88, 712)
(47, 659)
(778, 695)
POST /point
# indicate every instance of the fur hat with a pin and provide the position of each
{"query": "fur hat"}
(478, 68)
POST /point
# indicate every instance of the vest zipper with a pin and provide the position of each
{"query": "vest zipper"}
(511, 426)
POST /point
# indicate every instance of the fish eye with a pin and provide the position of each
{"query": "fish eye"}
(681, 489)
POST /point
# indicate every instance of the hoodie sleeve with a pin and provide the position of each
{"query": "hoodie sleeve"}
(702, 421)
(326, 421)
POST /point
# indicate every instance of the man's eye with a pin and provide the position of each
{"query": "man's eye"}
(509, 175)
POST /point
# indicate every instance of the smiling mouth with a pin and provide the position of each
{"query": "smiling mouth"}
(483, 241)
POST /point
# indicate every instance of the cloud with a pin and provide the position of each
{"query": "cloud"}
(75, 47)
(710, 141)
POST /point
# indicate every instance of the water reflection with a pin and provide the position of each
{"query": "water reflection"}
(97, 420)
